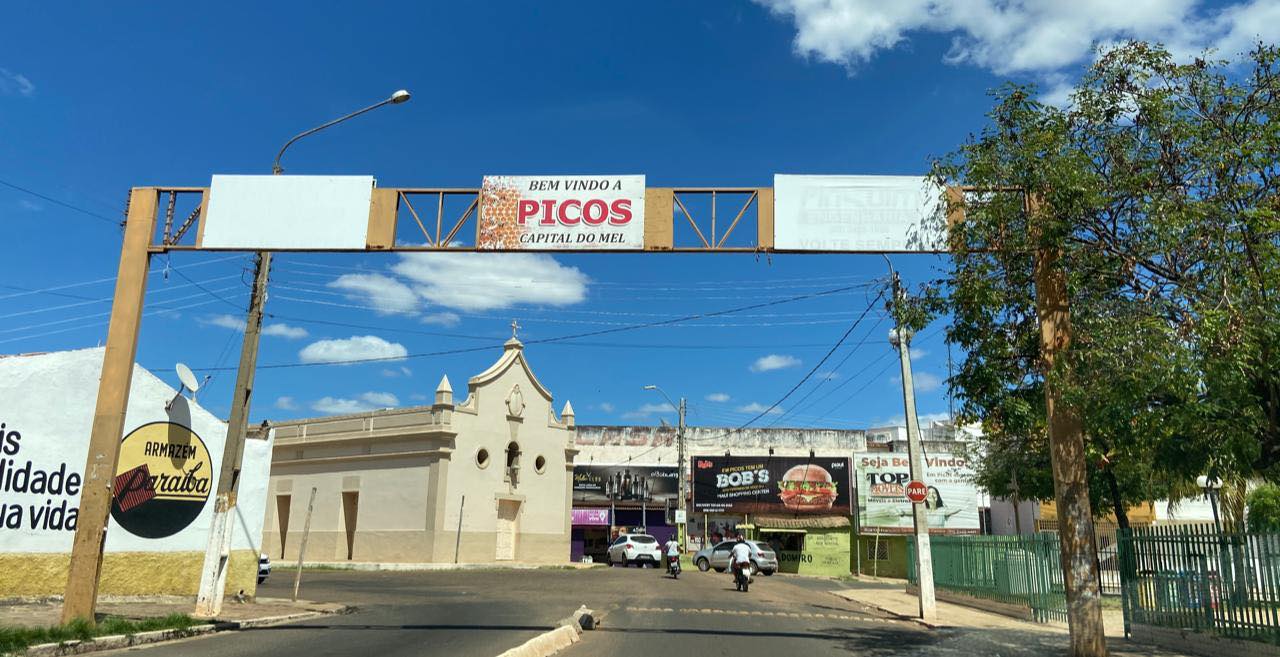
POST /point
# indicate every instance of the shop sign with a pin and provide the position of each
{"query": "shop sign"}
(590, 517)
(948, 494)
(626, 483)
(763, 484)
(857, 213)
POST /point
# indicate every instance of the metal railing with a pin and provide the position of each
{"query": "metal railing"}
(1016, 570)
(1194, 577)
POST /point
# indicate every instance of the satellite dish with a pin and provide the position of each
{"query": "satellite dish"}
(187, 378)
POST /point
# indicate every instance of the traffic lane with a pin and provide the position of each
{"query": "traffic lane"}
(702, 613)
(467, 613)
(473, 629)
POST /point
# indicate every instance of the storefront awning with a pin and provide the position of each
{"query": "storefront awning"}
(766, 523)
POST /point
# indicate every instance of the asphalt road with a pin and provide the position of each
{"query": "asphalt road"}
(483, 613)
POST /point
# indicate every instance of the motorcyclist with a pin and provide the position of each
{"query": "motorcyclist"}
(673, 553)
(740, 557)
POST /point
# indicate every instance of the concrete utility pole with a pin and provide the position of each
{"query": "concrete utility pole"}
(213, 576)
(684, 534)
(901, 339)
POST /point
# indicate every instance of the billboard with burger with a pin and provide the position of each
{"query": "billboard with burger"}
(772, 484)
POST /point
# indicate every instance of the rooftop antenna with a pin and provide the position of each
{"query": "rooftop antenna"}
(188, 382)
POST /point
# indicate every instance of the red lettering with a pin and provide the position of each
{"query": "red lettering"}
(595, 212)
(526, 209)
(621, 212)
(563, 213)
(547, 218)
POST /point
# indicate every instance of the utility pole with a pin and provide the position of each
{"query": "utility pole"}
(213, 575)
(901, 339)
(217, 556)
(681, 527)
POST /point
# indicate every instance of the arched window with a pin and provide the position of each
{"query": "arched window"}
(513, 455)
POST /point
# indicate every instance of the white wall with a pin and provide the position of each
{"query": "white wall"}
(49, 400)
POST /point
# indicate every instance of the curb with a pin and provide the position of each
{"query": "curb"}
(567, 634)
(117, 641)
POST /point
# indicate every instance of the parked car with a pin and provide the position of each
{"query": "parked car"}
(763, 558)
(264, 568)
(639, 549)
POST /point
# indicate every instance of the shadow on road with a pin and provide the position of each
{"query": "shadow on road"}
(861, 641)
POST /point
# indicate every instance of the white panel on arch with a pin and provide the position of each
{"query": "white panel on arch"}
(858, 213)
(283, 213)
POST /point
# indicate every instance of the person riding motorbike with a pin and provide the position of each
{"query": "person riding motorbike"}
(740, 563)
(673, 556)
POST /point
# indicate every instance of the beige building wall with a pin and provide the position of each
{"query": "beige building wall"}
(393, 485)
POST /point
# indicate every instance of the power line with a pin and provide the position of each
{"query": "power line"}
(66, 286)
(815, 367)
(563, 338)
(796, 408)
(91, 213)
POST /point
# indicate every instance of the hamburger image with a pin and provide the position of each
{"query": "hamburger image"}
(807, 488)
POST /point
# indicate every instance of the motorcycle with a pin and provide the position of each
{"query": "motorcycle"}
(742, 576)
(673, 566)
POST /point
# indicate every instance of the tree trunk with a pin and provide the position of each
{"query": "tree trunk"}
(1070, 469)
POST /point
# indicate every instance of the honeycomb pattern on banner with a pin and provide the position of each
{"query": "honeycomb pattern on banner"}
(498, 226)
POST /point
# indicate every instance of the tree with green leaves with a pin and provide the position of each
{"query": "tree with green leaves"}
(1156, 196)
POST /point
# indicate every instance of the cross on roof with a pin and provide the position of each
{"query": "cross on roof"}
(515, 326)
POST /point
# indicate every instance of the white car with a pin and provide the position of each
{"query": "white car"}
(639, 549)
(264, 568)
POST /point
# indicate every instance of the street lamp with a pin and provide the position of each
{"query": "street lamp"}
(1211, 488)
(680, 527)
(396, 98)
(213, 574)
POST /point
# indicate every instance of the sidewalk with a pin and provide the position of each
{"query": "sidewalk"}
(889, 596)
(263, 612)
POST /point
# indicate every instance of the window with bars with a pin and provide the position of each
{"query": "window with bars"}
(878, 550)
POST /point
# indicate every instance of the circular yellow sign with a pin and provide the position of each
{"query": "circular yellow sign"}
(162, 481)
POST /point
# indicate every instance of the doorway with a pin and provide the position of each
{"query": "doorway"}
(505, 539)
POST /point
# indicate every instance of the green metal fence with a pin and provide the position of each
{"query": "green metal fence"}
(1018, 570)
(1196, 578)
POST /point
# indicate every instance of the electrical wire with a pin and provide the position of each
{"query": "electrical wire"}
(90, 213)
(563, 338)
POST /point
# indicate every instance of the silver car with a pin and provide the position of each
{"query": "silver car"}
(763, 558)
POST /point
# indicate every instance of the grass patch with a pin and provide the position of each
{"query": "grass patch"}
(17, 639)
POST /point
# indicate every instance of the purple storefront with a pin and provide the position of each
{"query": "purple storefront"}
(609, 499)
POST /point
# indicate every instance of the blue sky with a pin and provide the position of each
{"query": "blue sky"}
(96, 98)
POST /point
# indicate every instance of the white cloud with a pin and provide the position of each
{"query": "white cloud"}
(827, 376)
(29, 205)
(917, 352)
(417, 396)
(926, 382)
(354, 348)
(607, 407)
(387, 295)
(392, 373)
(757, 407)
(492, 281)
(774, 362)
(719, 397)
(1037, 37)
(442, 319)
(925, 419)
(368, 401)
(223, 321)
(286, 403)
(283, 330)
(15, 84)
(648, 410)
